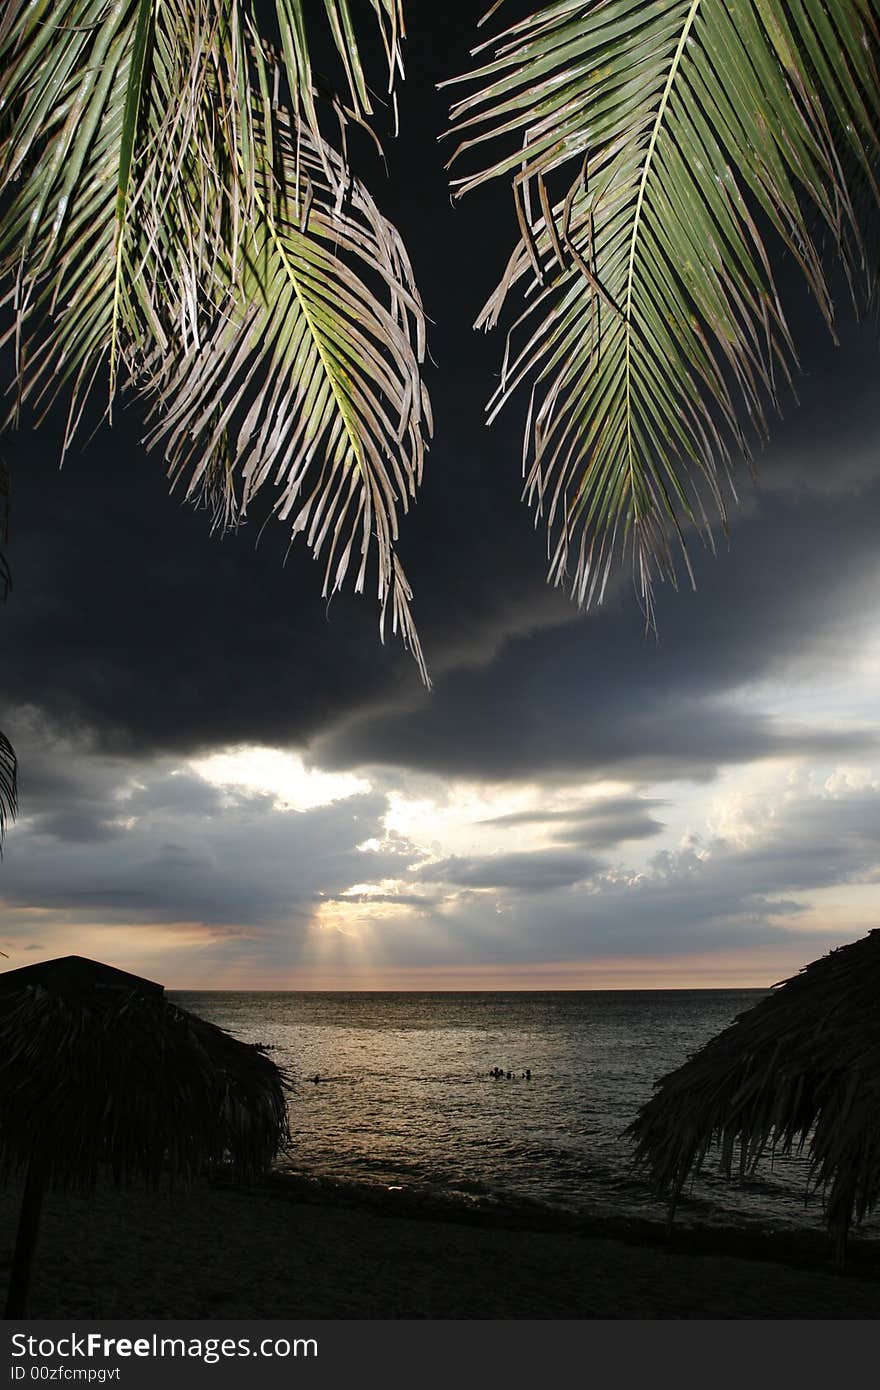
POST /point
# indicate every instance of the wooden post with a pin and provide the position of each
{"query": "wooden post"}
(26, 1239)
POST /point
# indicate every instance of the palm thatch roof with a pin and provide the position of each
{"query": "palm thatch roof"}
(800, 1071)
(98, 1067)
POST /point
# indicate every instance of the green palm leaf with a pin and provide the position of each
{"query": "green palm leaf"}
(647, 145)
(171, 228)
(340, 15)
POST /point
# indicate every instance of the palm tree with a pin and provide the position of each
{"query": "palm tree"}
(178, 222)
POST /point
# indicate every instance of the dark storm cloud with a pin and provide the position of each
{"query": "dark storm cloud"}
(196, 643)
(128, 621)
(789, 601)
(133, 639)
(829, 443)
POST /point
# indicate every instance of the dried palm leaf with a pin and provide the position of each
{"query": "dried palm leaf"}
(103, 1075)
(798, 1072)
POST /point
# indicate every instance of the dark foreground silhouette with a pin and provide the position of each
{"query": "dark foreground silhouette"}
(289, 1248)
(101, 1075)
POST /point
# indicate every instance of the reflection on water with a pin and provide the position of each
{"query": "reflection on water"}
(405, 1095)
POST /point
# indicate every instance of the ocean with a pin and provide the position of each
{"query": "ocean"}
(406, 1100)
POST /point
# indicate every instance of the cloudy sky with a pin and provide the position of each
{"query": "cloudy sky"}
(224, 783)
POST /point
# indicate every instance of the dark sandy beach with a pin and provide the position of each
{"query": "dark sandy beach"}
(287, 1250)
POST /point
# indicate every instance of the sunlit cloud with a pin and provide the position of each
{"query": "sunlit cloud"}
(255, 869)
(279, 774)
(479, 817)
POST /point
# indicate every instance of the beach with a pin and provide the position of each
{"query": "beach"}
(287, 1249)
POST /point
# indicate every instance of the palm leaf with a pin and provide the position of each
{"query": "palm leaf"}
(316, 355)
(647, 147)
(8, 783)
(170, 228)
(294, 30)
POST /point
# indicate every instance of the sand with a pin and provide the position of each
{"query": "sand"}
(274, 1251)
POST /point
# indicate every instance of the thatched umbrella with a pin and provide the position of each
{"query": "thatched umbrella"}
(798, 1071)
(98, 1070)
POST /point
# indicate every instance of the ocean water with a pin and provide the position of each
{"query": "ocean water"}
(405, 1098)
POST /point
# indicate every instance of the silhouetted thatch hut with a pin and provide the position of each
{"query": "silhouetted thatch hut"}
(799, 1071)
(98, 1070)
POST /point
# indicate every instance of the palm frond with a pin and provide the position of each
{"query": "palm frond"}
(8, 784)
(344, 25)
(316, 356)
(647, 146)
(170, 228)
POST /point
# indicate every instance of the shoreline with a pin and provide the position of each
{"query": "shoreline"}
(806, 1248)
(291, 1247)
